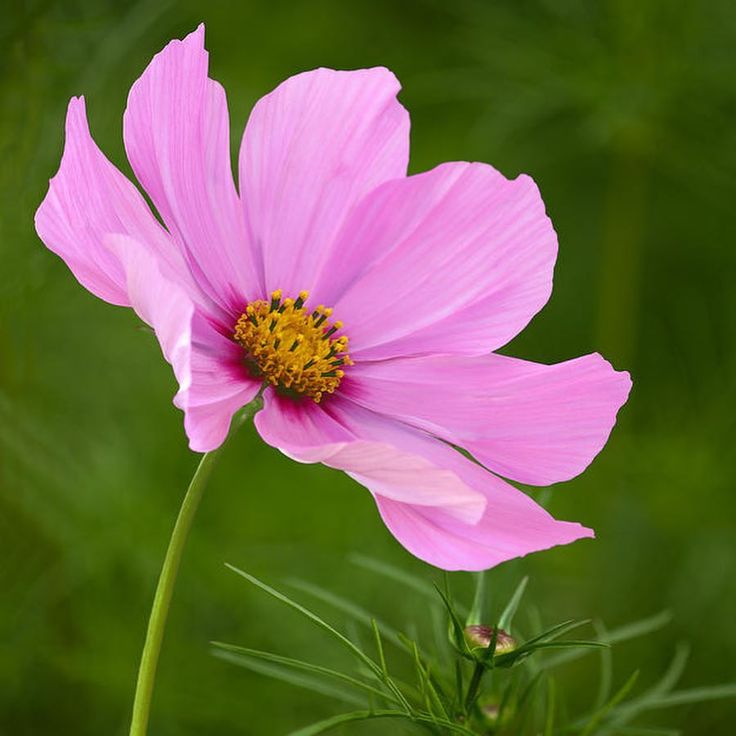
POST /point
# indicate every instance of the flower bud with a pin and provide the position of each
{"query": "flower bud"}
(490, 713)
(480, 636)
(493, 718)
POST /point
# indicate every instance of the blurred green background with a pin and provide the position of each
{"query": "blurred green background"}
(624, 114)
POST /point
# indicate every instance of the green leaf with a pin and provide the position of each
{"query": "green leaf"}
(615, 636)
(395, 574)
(639, 628)
(545, 640)
(379, 647)
(674, 671)
(693, 695)
(243, 656)
(507, 615)
(554, 632)
(360, 614)
(456, 626)
(429, 686)
(314, 618)
(366, 715)
(334, 721)
(549, 719)
(659, 696)
(606, 677)
(477, 610)
(525, 703)
(598, 716)
(288, 675)
(632, 731)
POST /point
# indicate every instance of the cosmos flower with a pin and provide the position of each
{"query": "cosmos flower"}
(368, 303)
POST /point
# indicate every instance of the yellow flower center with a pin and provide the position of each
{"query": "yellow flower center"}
(293, 349)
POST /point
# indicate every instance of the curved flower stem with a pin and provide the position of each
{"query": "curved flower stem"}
(167, 579)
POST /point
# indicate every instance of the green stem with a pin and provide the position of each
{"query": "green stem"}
(167, 579)
(478, 673)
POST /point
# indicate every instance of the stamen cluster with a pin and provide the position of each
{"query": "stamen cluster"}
(293, 349)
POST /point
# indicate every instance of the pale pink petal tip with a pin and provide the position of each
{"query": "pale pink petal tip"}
(312, 149)
(536, 424)
(89, 198)
(450, 545)
(307, 434)
(453, 260)
(426, 492)
(176, 130)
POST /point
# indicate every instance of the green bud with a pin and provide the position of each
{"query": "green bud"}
(490, 714)
(480, 636)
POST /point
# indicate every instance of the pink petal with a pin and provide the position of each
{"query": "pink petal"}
(534, 423)
(306, 433)
(213, 385)
(503, 533)
(160, 303)
(311, 149)
(459, 259)
(512, 524)
(88, 199)
(176, 133)
(220, 386)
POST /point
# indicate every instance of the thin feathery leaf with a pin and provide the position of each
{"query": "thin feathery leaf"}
(602, 712)
(245, 653)
(693, 695)
(639, 628)
(674, 672)
(633, 731)
(367, 715)
(606, 677)
(360, 614)
(394, 573)
(359, 715)
(314, 618)
(621, 634)
(297, 678)
(379, 647)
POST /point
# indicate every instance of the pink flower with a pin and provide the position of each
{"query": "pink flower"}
(367, 301)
